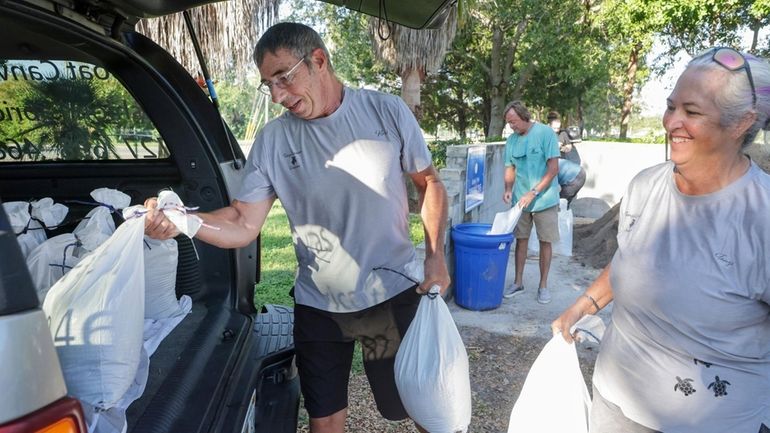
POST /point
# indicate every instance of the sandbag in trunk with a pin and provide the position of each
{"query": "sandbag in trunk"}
(160, 263)
(98, 225)
(29, 220)
(96, 315)
(49, 261)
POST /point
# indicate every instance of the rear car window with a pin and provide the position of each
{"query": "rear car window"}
(63, 110)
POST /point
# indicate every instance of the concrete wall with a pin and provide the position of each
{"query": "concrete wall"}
(609, 166)
(453, 176)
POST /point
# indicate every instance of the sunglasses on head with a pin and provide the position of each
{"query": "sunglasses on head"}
(733, 60)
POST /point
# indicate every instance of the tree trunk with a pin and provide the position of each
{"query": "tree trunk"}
(411, 81)
(628, 90)
(580, 121)
(754, 36)
(485, 117)
(462, 118)
(496, 120)
(497, 92)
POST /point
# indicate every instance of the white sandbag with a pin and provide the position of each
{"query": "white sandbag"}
(431, 370)
(18, 214)
(113, 420)
(505, 222)
(589, 328)
(111, 197)
(26, 217)
(533, 245)
(160, 262)
(98, 225)
(564, 246)
(29, 233)
(96, 315)
(49, 261)
(50, 213)
(565, 225)
(173, 208)
(554, 397)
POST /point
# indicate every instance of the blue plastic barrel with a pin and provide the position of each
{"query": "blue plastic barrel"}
(480, 264)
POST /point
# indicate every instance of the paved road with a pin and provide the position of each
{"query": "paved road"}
(522, 314)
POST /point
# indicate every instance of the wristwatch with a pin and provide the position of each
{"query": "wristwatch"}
(537, 193)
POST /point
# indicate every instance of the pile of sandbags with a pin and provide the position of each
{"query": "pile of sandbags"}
(110, 312)
(30, 219)
(50, 260)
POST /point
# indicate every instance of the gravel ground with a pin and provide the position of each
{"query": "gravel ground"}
(498, 368)
(502, 345)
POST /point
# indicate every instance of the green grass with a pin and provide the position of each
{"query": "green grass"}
(416, 231)
(279, 263)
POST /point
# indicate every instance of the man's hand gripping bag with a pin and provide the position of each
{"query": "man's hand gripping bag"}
(431, 370)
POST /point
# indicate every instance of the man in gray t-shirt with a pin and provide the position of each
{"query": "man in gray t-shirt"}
(336, 160)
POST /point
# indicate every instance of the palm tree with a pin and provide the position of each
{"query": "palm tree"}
(76, 118)
(231, 25)
(412, 53)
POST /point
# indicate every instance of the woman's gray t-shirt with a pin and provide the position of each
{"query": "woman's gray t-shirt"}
(340, 180)
(688, 349)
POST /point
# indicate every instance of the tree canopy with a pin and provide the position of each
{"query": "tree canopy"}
(586, 59)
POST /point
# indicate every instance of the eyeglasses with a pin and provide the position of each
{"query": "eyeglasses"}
(282, 82)
(733, 60)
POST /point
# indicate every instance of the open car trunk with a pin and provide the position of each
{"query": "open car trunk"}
(88, 107)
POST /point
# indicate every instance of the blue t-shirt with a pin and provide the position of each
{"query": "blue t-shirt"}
(568, 171)
(529, 153)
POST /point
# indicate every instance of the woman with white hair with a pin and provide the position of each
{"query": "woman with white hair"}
(688, 347)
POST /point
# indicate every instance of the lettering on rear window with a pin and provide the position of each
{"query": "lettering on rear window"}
(61, 110)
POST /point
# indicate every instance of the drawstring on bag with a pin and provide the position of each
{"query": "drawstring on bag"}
(64, 267)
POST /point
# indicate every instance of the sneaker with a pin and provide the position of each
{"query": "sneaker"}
(512, 291)
(543, 295)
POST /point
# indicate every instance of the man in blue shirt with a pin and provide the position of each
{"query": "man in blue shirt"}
(531, 167)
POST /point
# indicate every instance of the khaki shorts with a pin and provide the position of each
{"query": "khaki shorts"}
(546, 223)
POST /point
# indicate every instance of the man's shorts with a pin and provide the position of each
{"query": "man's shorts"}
(546, 222)
(324, 344)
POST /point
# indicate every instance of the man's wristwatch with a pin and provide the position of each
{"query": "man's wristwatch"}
(537, 193)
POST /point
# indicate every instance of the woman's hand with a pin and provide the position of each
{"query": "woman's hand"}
(598, 294)
(566, 321)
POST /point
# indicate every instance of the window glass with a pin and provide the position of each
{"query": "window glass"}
(61, 110)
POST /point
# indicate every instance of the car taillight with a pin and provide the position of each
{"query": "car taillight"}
(63, 416)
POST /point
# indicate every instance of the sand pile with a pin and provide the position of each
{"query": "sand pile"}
(595, 243)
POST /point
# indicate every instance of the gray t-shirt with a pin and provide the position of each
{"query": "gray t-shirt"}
(340, 179)
(688, 349)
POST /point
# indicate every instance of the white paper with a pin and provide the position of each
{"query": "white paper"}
(506, 221)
